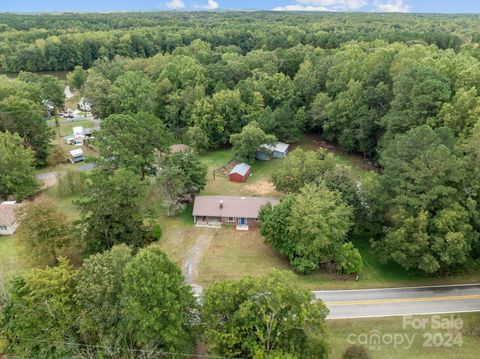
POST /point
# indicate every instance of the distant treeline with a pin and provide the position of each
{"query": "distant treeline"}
(50, 42)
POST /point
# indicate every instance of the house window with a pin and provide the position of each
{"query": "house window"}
(3, 228)
(230, 219)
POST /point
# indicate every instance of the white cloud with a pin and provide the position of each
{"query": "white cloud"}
(392, 6)
(211, 5)
(175, 4)
(323, 5)
(299, 7)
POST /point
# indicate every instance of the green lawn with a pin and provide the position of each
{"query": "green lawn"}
(7, 248)
(342, 330)
(235, 254)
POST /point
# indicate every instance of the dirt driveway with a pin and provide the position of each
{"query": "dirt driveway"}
(194, 256)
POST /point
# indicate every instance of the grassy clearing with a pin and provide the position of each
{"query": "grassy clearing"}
(341, 329)
(257, 184)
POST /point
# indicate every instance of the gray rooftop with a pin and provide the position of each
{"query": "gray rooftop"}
(230, 206)
(241, 169)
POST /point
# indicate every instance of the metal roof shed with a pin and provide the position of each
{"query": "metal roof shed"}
(239, 173)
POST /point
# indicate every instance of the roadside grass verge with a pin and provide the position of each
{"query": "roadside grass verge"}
(341, 329)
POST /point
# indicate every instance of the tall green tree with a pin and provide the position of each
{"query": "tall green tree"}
(258, 317)
(39, 318)
(97, 90)
(25, 118)
(246, 143)
(158, 306)
(16, 168)
(99, 294)
(76, 79)
(132, 92)
(45, 231)
(426, 213)
(112, 211)
(308, 228)
(317, 167)
(181, 177)
(130, 141)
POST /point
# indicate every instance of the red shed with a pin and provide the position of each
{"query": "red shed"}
(239, 173)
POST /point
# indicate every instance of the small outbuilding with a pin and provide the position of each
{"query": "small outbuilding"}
(8, 217)
(76, 155)
(277, 150)
(239, 173)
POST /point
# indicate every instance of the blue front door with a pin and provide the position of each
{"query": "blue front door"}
(242, 220)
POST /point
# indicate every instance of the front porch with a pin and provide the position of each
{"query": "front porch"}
(210, 222)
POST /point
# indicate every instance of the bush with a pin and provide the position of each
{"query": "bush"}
(348, 259)
(57, 155)
(156, 232)
(356, 351)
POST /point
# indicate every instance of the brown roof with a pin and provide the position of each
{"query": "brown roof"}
(230, 206)
(8, 213)
(178, 148)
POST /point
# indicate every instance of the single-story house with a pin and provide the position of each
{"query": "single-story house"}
(71, 140)
(239, 173)
(180, 147)
(213, 211)
(8, 217)
(76, 155)
(277, 150)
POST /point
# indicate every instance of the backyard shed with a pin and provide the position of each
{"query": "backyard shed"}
(76, 155)
(239, 173)
(277, 150)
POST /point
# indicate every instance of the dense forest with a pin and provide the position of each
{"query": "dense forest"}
(402, 91)
(59, 42)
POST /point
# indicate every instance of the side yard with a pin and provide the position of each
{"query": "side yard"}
(366, 331)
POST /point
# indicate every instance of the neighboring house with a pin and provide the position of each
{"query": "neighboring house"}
(8, 217)
(76, 155)
(277, 150)
(239, 173)
(213, 211)
(180, 147)
(71, 140)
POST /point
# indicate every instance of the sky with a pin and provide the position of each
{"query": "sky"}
(416, 6)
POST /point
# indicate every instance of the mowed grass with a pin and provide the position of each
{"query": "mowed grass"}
(233, 254)
(341, 330)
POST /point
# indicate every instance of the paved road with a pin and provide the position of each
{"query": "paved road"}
(82, 168)
(401, 301)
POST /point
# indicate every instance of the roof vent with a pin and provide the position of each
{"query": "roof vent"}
(221, 203)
